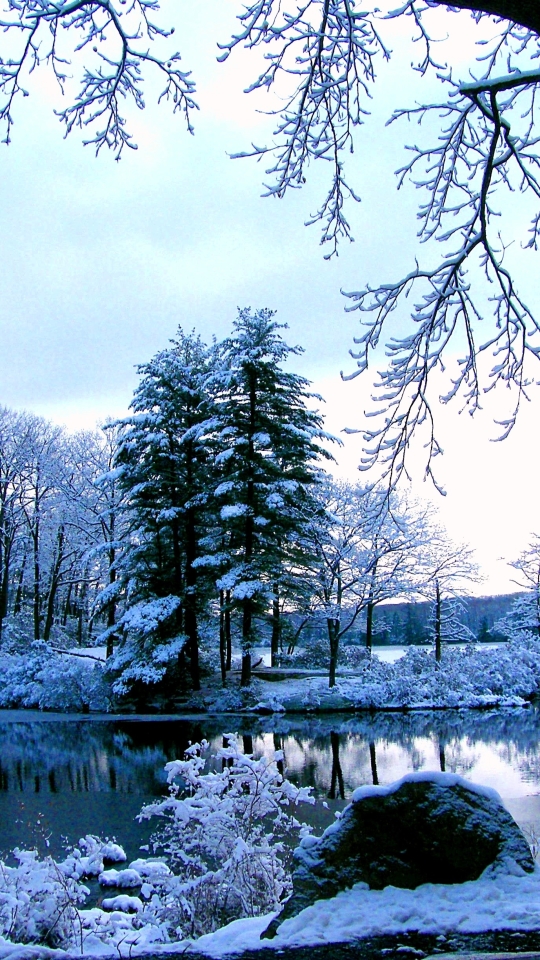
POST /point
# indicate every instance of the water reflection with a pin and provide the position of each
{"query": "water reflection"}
(77, 775)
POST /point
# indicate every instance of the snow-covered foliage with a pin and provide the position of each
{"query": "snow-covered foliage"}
(469, 677)
(226, 838)
(225, 835)
(523, 619)
(44, 679)
(39, 902)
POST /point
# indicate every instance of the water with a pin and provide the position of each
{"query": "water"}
(64, 776)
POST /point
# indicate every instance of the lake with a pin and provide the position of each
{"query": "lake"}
(62, 776)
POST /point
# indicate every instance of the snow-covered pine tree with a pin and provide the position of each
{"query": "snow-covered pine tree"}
(270, 462)
(163, 461)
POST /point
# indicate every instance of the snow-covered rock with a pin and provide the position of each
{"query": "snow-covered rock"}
(120, 878)
(123, 902)
(113, 852)
(425, 828)
(150, 868)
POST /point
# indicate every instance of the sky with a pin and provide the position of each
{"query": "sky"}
(101, 261)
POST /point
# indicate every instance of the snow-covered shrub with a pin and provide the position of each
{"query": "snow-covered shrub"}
(39, 903)
(225, 834)
(47, 680)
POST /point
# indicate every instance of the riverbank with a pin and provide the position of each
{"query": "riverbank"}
(470, 677)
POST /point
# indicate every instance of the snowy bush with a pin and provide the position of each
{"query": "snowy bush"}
(44, 679)
(39, 902)
(226, 835)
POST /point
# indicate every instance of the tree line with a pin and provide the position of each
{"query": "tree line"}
(204, 519)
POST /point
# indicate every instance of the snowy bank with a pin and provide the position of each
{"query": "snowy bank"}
(471, 677)
(474, 676)
(504, 903)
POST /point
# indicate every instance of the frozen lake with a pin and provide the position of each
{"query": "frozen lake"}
(64, 776)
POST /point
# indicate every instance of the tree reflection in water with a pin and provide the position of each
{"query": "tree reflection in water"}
(99, 762)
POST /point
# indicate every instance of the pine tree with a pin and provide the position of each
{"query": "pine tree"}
(163, 463)
(270, 455)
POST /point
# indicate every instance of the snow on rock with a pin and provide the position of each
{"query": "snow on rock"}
(426, 828)
(420, 776)
(123, 902)
(113, 852)
(120, 878)
(150, 868)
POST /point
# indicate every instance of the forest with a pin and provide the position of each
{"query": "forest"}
(208, 521)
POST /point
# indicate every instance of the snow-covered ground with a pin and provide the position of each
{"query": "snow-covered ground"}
(503, 903)
(472, 676)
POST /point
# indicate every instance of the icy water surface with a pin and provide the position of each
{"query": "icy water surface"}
(64, 776)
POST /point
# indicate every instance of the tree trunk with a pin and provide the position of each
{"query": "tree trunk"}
(247, 618)
(276, 627)
(222, 640)
(369, 626)
(81, 604)
(36, 602)
(190, 613)
(333, 637)
(228, 641)
(292, 643)
(524, 12)
(371, 609)
(19, 592)
(111, 608)
(53, 584)
(67, 604)
(438, 622)
(5, 555)
(249, 539)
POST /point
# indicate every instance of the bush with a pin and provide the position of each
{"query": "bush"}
(49, 681)
(226, 834)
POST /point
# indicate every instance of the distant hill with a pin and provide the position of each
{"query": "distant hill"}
(407, 623)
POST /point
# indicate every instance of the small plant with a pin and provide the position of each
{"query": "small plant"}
(226, 835)
(39, 903)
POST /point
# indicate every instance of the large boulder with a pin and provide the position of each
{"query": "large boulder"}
(425, 828)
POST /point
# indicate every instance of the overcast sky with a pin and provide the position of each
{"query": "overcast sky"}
(100, 262)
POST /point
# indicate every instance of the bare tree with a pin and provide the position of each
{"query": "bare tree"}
(367, 552)
(444, 573)
(525, 612)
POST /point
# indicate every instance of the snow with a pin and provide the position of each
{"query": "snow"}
(123, 902)
(120, 878)
(421, 776)
(468, 677)
(113, 852)
(150, 868)
(506, 902)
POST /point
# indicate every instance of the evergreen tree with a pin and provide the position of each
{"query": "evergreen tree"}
(163, 462)
(270, 454)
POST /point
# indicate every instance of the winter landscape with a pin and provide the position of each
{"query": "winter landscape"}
(269, 598)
